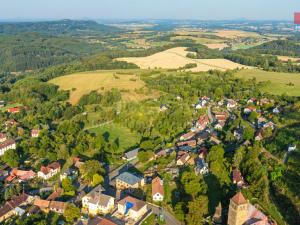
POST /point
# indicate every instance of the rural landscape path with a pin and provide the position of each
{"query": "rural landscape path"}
(98, 125)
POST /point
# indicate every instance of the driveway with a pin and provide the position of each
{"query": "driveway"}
(169, 218)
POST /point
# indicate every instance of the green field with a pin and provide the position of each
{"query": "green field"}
(278, 81)
(127, 139)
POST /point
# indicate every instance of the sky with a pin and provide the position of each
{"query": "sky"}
(149, 9)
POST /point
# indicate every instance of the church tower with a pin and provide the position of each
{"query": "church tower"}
(238, 210)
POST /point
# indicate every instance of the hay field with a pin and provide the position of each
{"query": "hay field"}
(219, 46)
(232, 34)
(278, 81)
(80, 84)
(287, 58)
(176, 57)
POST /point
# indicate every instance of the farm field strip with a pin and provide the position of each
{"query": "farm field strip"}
(80, 84)
(176, 57)
(280, 83)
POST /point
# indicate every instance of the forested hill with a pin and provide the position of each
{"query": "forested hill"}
(30, 51)
(279, 47)
(71, 27)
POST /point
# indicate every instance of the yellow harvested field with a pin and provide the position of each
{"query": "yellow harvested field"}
(231, 34)
(287, 58)
(80, 84)
(176, 57)
(219, 46)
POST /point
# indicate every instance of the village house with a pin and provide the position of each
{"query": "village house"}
(21, 175)
(252, 101)
(42, 204)
(55, 194)
(10, 123)
(219, 125)
(2, 104)
(132, 208)
(161, 153)
(202, 137)
(187, 136)
(96, 202)
(221, 116)
(214, 140)
(265, 101)
(131, 155)
(7, 145)
(259, 135)
(163, 108)
(10, 208)
(129, 181)
(202, 122)
(3, 174)
(276, 110)
(35, 133)
(70, 173)
(201, 167)
(14, 110)
(203, 153)
(292, 148)
(238, 133)
(157, 189)
(58, 207)
(77, 162)
(97, 221)
(237, 178)
(182, 158)
(49, 171)
(269, 124)
(242, 212)
(217, 217)
(191, 143)
(231, 104)
(249, 109)
(261, 121)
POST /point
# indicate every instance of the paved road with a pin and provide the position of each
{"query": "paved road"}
(210, 116)
(169, 218)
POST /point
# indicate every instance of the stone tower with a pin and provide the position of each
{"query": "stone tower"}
(238, 210)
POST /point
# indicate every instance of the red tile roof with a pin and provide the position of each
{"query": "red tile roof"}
(203, 120)
(106, 222)
(237, 176)
(157, 186)
(191, 143)
(13, 110)
(41, 203)
(239, 199)
(55, 194)
(7, 143)
(52, 166)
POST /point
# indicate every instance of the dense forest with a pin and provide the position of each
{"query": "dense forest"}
(62, 27)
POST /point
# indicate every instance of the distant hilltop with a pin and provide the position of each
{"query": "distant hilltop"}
(56, 27)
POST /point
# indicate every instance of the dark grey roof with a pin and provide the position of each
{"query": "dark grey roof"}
(129, 178)
(132, 154)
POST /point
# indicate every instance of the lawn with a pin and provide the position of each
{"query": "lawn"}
(112, 131)
(152, 220)
(278, 81)
(80, 84)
